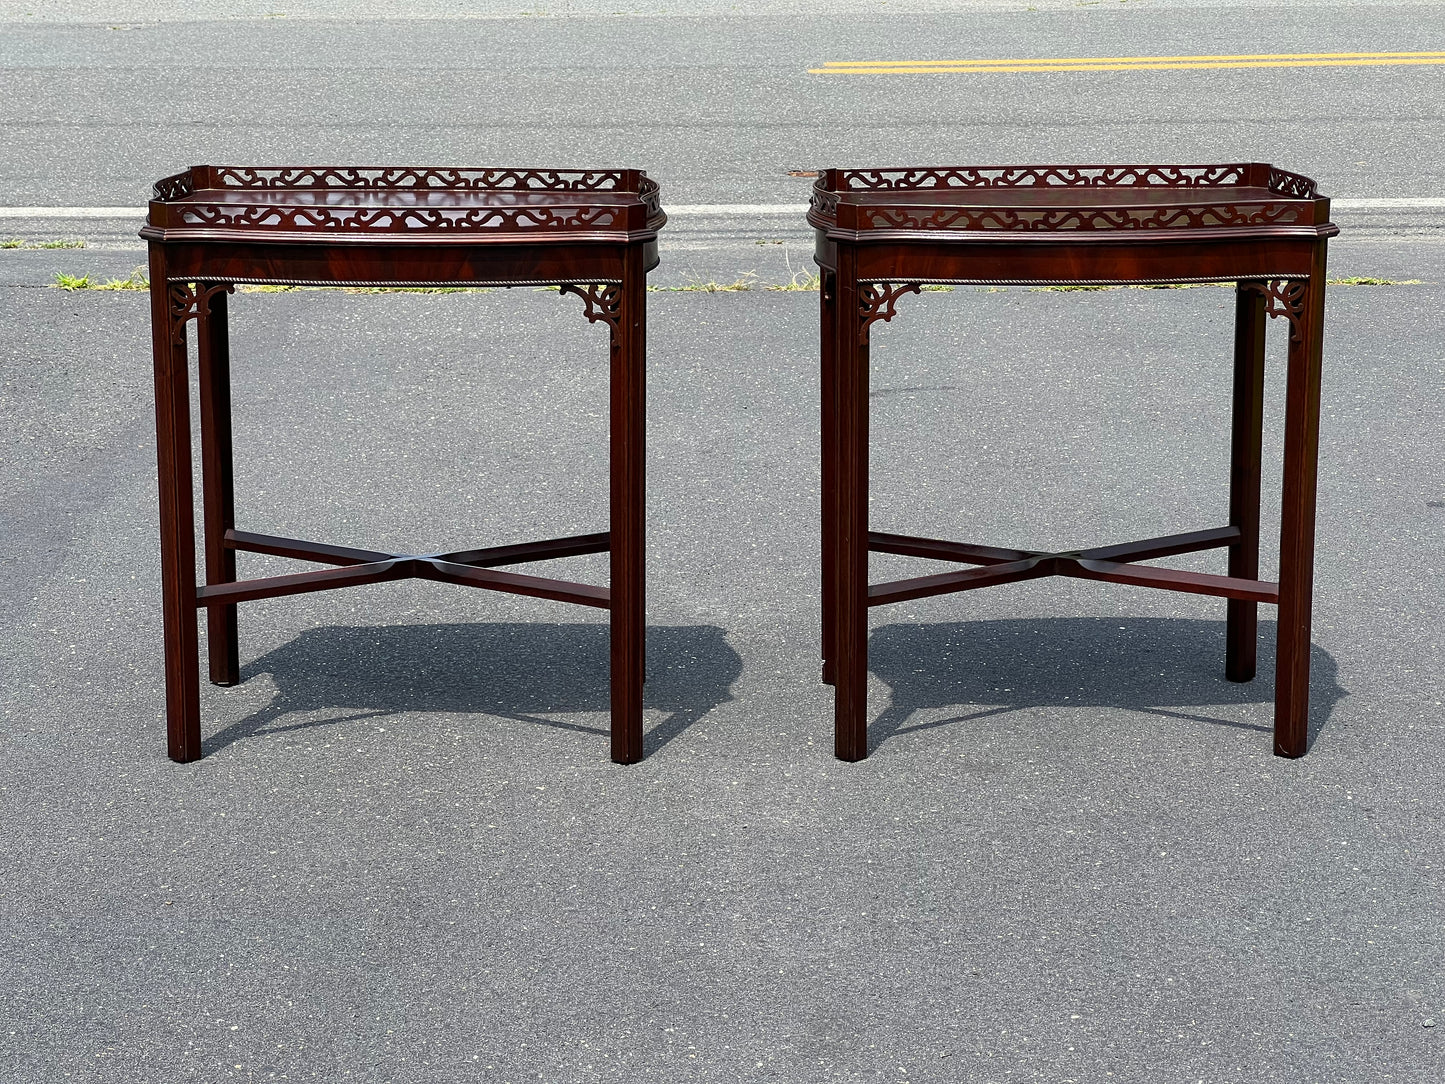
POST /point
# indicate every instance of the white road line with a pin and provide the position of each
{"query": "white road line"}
(716, 210)
(71, 212)
(1423, 203)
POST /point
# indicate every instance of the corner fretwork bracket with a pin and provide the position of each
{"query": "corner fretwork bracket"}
(603, 300)
(878, 301)
(189, 301)
(1282, 297)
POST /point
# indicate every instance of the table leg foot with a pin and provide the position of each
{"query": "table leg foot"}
(626, 710)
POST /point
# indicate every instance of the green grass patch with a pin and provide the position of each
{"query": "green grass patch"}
(1355, 281)
(136, 280)
(284, 288)
(803, 280)
(739, 285)
(20, 242)
(1359, 280)
(412, 289)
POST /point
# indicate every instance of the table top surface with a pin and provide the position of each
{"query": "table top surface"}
(1044, 202)
(431, 205)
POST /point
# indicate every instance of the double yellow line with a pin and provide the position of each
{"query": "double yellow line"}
(1122, 63)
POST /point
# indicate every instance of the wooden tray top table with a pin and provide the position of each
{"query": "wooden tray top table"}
(882, 233)
(592, 233)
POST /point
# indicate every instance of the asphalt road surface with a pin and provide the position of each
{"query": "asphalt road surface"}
(405, 855)
(719, 109)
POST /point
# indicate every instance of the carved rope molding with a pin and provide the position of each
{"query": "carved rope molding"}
(603, 301)
(1283, 297)
(189, 303)
(878, 301)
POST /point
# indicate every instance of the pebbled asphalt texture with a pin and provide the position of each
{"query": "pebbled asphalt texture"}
(406, 857)
(718, 108)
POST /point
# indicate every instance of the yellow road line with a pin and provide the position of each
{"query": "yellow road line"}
(1127, 63)
(1129, 59)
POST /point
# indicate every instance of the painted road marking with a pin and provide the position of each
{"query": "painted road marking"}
(71, 212)
(1123, 63)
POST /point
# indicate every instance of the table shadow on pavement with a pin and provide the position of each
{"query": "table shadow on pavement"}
(522, 671)
(1163, 666)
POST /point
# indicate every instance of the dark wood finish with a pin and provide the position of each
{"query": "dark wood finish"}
(218, 488)
(629, 330)
(549, 550)
(828, 476)
(1297, 520)
(516, 583)
(1247, 431)
(296, 549)
(850, 517)
(490, 557)
(1101, 563)
(591, 233)
(177, 523)
(1145, 550)
(883, 233)
(226, 595)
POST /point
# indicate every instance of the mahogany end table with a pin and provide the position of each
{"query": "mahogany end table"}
(882, 233)
(591, 233)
